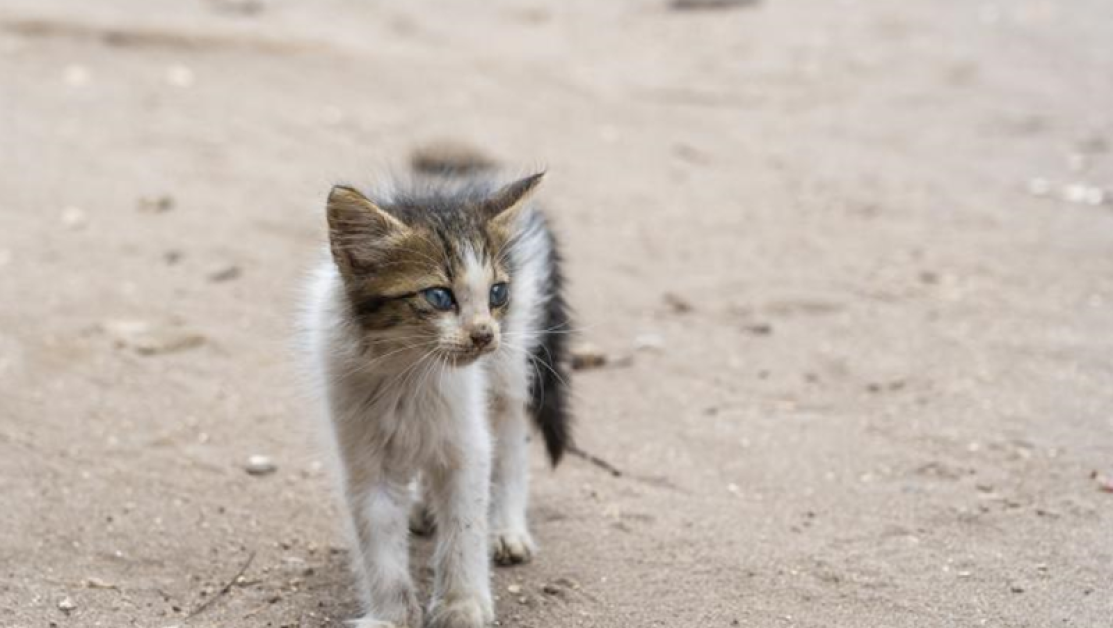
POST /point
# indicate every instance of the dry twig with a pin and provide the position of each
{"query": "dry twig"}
(595, 460)
(223, 590)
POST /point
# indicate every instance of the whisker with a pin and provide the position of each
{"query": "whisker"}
(537, 360)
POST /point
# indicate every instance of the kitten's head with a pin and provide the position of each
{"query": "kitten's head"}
(429, 274)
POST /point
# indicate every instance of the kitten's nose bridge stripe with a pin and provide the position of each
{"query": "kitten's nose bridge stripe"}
(474, 281)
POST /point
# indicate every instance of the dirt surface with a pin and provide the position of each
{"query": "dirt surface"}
(868, 341)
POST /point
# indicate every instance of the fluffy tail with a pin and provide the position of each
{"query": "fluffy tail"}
(550, 389)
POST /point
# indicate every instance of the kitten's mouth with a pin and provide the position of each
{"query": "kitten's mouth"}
(464, 357)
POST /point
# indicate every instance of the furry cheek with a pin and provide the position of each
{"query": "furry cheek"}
(450, 335)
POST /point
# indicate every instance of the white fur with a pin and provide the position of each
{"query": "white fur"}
(393, 417)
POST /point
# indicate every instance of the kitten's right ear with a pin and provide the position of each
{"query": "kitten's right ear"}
(505, 205)
(359, 229)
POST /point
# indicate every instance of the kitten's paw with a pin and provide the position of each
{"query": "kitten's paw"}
(422, 522)
(469, 612)
(512, 547)
(406, 613)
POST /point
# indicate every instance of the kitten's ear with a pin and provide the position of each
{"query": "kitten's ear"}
(504, 206)
(358, 229)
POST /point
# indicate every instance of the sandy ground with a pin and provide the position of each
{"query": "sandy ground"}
(882, 409)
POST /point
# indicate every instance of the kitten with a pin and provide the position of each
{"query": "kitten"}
(435, 328)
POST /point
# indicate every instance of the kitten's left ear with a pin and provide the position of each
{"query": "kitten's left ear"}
(359, 229)
(504, 206)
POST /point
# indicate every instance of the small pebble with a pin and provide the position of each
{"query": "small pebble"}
(260, 465)
(156, 204)
(677, 303)
(1074, 193)
(690, 154)
(67, 605)
(97, 583)
(1083, 194)
(147, 338)
(649, 342)
(226, 272)
(514, 589)
(587, 356)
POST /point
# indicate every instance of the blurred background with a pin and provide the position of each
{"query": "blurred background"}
(847, 264)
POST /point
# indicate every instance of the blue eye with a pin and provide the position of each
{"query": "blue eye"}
(440, 298)
(500, 293)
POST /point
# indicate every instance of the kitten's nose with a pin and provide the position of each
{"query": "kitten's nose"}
(482, 336)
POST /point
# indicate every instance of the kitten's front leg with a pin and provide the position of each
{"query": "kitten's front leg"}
(459, 491)
(511, 541)
(379, 512)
